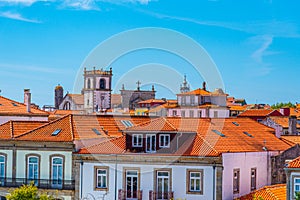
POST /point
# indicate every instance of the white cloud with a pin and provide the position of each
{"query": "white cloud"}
(21, 2)
(17, 16)
(266, 41)
(81, 4)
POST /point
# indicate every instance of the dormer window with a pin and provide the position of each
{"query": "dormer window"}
(164, 141)
(137, 140)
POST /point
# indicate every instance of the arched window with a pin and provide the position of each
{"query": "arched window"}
(33, 168)
(2, 168)
(89, 83)
(102, 83)
(67, 106)
(57, 169)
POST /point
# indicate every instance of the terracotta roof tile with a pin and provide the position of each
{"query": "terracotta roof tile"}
(273, 192)
(161, 101)
(258, 112)
(112, 146)
(293, 139)
(198, 91)
(294, 163)
(282, 121)
(10, 107)
(77, 98)
(13, 129)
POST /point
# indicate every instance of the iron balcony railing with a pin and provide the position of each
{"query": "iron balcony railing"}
(40, 183)
(155, 195)
(127, 194)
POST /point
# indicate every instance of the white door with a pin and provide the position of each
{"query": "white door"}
(162, 185)
(131, 184)
(150, 143)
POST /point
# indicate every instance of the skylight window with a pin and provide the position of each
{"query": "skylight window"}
(127, 123)
(218, 132)
(96, 131)
(248, 134)
(14, 104)
(235, 123)
(56, 132)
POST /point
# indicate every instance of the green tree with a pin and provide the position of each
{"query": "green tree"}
(28, 192)
(297, 196)
(283, 105)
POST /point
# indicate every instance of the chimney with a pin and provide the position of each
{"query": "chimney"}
(27, 99)
(293, 125)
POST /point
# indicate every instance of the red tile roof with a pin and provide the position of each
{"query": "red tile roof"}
(13, 129)
(207, 141)
(294, 163)
(282, 121)
(273, 192)
(258, 113)
(161, 101)
(76, 98)
(10, 107)
(292, 139)
(198, 91)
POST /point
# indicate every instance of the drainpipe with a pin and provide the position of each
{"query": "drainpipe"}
(214, 181)
(81, 178)
(116, 178)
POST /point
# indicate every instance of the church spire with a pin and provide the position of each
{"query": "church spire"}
(184, 87)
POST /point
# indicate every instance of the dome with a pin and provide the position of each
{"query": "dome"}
(58, 87)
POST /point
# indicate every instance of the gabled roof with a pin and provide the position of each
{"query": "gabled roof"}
(10, 107)
(237, 107)
(112, 146)
(294, 163)
(212, 137)
(76, 98)
(81, 127)
(273, 192)
(292, 139)
(198, 91)
(282, 121)
(160, 101)
(259, 113)
(158, 125)
(13, 129)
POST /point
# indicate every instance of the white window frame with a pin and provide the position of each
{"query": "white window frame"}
(296, 184)
(138, 144)
(195, 181)
(165, 145)
(3, 164)
(101, 176)
(151, 143)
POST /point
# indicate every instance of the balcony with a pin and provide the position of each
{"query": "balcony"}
(40, 183)
(154, 195)
(126, 195)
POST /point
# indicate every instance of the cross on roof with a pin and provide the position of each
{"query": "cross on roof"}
(138, 85)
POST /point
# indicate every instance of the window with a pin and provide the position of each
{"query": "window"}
(192, 100)
(191, 113)
(132, 184)
(57, 169)
(127, 123)
(137, 140)
(183, 113)
(56, 132)
(150, 143)
(218, 132)
(33, 168)
(296, 185)
(96, 131)
(253, 178)
(215, 114)
(183, 99)
(164, 141)
(102, 83)
(174, 112)
(236, 180)
(163, 184)
(89, 84)
(199, 114)
(2, 169)
(101, 180)
(194, 181)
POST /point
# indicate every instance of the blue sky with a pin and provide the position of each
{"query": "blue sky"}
(254, 44)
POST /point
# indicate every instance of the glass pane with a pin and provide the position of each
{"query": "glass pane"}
(33, 160)
(54, 173)
(131, 173)
(2, 170)
(297, 180)
(297, 188)
(2, 159)
(192, 185)
(57, 161)
(100, 171)
(198, 185)
(104, 181)
(162, 173)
